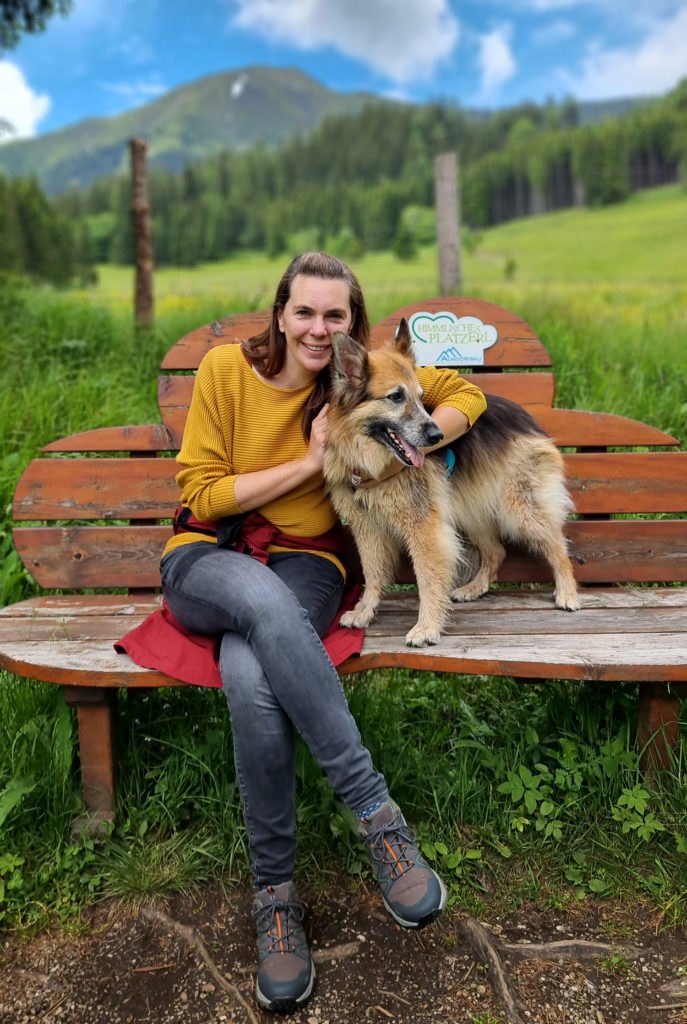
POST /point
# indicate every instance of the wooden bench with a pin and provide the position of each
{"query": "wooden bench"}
(93, 514)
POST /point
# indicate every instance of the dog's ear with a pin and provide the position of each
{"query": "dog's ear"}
(349, 361)
(402, 340)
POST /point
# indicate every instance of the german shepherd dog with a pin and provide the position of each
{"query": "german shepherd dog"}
(508, 484)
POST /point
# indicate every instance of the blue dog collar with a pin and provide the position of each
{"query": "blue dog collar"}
(449, 462)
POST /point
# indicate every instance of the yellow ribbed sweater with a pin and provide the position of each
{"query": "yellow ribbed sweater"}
(238, 423)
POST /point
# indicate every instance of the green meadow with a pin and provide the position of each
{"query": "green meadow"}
(519, 793)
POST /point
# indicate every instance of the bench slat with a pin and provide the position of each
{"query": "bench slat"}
(604, 657)
(606, 483)
(613, 551)
(603, 551)
(503, 635)
(92, 556)
(59, 606)
(577, 428)
(78, 663)
(628, 482)
(488, 622)
(97, 489)
(518, 344)
(80, 605)
(187, 353)
(530, 389)
(568, 427)
(153, 437)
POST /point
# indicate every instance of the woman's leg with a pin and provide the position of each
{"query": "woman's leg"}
(275, 673)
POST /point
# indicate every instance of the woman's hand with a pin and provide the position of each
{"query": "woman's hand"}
(318, 440)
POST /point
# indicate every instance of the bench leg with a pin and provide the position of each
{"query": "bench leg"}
(658, 715)
(95, 712)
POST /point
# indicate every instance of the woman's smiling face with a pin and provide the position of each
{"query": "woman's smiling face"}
(316, 308)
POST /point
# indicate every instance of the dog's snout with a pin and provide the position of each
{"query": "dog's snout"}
(434, 435)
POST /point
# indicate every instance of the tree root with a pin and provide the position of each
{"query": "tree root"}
(487, 949)
(193, 939)
(339, 952)
(571, 949)
(481, 942)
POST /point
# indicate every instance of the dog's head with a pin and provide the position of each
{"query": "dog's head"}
(376, 403)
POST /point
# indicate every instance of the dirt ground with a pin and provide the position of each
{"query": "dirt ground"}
(191, 961)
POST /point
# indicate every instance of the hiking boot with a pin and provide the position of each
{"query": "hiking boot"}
(286, 973)
(413, 894)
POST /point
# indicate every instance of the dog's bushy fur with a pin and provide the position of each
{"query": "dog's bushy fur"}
(508, 485)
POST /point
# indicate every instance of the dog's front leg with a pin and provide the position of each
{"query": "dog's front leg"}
(378, 557)
(435, 548)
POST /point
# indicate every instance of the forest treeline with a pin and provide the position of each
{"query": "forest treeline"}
(354, 184)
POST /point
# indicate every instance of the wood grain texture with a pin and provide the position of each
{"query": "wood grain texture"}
(153, 437)
(628, 482)
(529, 389)
(76, 557)
(97, 488)
(618, 635)
(187, 353)
(602, 551)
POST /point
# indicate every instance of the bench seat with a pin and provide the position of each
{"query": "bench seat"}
(620, 634)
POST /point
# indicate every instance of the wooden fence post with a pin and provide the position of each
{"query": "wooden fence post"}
(448, 223)
(143, 235)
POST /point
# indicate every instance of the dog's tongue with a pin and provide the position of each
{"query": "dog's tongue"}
(416, 456)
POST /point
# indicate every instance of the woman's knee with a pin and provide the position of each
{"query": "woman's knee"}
(234, 591)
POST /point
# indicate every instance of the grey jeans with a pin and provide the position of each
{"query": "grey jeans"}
(277, 676)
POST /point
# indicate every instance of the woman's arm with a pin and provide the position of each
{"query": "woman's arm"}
(251, 490)
(209, 482)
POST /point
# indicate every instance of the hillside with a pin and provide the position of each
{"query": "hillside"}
(231, 110)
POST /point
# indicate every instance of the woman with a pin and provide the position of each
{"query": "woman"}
(254, 442)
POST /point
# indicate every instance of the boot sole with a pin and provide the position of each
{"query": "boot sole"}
(423, 921)
(286, 1004)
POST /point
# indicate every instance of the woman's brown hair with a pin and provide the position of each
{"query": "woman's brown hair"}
(267, 350)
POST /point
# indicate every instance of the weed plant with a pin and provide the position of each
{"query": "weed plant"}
(518, 792)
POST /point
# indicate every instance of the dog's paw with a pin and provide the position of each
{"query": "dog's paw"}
(461, 595)
(569, 601)
(419, 637)
(356, 619)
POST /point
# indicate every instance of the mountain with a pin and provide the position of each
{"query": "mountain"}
(230, 110)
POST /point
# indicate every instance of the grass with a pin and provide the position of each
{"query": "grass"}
(518, 792)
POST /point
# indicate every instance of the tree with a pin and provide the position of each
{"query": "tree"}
(17, 16)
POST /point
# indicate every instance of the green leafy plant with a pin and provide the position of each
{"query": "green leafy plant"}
(530, 793)
(631, 810)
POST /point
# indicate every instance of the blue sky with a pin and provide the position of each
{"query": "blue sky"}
(109, 56)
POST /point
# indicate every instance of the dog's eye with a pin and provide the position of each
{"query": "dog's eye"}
(398, 395)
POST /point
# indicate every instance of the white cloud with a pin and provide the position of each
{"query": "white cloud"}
(20, 106)
(656, 64)
(403, 40)
(495, 59)
(556, 32)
